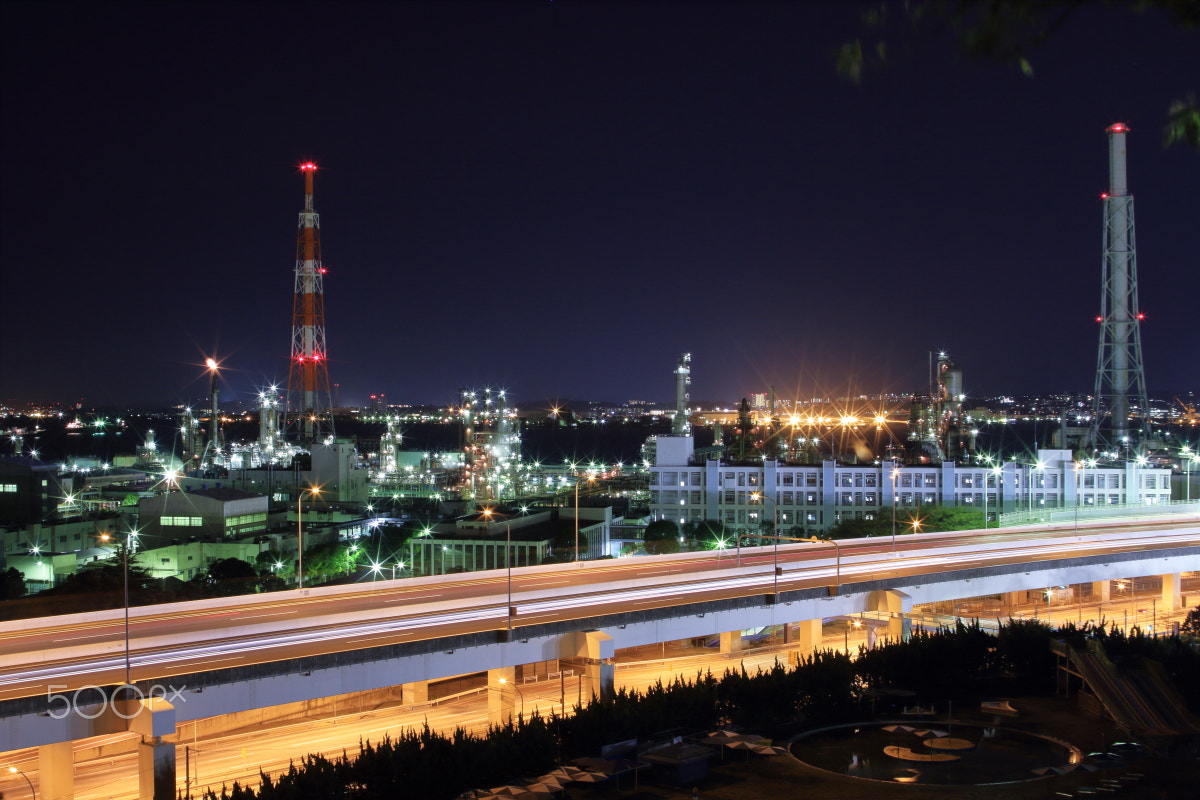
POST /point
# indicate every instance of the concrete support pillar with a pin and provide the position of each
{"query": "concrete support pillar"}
(808, 637)
(1101, 591)
(153, 718)
(731, 642)
(56, 770)
(899, 606)
(156, 769)
(602, 670)
(1170, 592)
(412, 694)
(596, 650)
(503, 695)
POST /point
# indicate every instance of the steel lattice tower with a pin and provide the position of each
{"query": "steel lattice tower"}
(1120, 379)
(310, 412)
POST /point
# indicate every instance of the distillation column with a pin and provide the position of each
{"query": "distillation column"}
(683, 378)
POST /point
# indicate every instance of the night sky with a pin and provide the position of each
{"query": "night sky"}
(559, 198)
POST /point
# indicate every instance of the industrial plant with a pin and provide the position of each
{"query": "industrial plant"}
(767, 463)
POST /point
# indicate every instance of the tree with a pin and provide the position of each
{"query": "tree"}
(1191, 623)
(710, 534)
(662, 536)
(229, 576)
(328, 561)
(12, 584)
(851, 528)
(1007, 31)
(937, 519)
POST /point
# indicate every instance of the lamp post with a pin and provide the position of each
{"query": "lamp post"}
(1029, 483)
(125, 568)
(590, 479)
(1078, 467)
(509, 610)
(895, 474)
(16, 771)
(520, 694)
(838, 548)
(774, 532)
(311, 491)
(1188, 459)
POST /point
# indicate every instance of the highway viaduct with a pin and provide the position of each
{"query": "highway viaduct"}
(204, 660)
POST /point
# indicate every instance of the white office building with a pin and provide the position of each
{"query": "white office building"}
(685, 488)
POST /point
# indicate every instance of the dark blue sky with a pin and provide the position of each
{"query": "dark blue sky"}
(558, 198)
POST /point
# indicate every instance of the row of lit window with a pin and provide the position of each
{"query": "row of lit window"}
(181, 522)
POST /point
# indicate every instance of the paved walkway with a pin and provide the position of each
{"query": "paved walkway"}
(785, 777)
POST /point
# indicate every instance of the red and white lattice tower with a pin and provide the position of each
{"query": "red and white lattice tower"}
(310, 412)
(1120, 378)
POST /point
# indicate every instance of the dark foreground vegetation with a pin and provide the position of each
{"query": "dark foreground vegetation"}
(965, 665)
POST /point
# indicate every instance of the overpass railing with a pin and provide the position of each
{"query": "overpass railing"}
(1042, 516)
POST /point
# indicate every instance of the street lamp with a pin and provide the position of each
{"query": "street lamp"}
(590, 479)
(488, 512)
(520, 694)
(838, 547)
(311, 491)
(895, 474)
(16, 771)
(1189, 458)
(125, 568)
(1029, 480)
(1078, 467)
(774, 532)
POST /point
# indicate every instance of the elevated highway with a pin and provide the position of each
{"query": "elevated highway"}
(216, 657)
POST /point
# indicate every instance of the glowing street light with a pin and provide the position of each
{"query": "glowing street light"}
(16, 771)
(838, 548)
(896, 474)
(1189, 458)
(520, 694)
(590, 479)
(312, 491)
(774, 533)
(510, 611)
